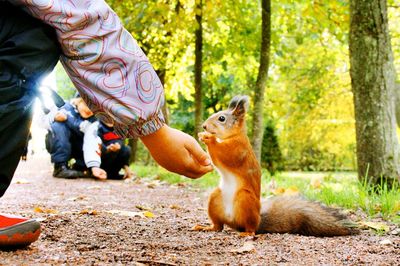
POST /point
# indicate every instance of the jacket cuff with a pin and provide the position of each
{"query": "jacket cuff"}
(141, 127)
(92, 164)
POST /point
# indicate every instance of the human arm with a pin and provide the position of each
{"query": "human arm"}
(105, 63)
(91, 151)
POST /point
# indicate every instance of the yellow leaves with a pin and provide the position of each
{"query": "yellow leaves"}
(198, 11)
(291, 191)
(22, 181)
(42, 210)
(144, 214)
(89, 212)
(278, 191)
(377, 226)
(174, 207)
(396, 206)
(315, 183)
(148, 214)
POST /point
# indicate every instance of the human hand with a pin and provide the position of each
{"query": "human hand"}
(99, 173)
(114, 147)
(177, 152)
(127, 172)
(60, 117)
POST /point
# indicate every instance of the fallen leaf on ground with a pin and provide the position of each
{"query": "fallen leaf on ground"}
(40, 210)
(148, 214)
(385, 242)
(174, 207)
(154, 184)
(81, 197)
(375, 225)
(90, 212)
(292, 191)
(143, 208)
(315, 183)
(278, 191)
(22, 181)
(132, 214)
(396, 232)
(248, 246)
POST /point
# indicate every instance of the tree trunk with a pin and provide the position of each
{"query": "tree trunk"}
(258, 127)
(161, 75)
(373, 83)
(133, 143)
(198, 66)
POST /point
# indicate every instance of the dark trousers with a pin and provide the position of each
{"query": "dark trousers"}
(64, 144)
(112, 162)
(28, 51)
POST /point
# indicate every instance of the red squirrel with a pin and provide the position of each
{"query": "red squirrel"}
(236, 201)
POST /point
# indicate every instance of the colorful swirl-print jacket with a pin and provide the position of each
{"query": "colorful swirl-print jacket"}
(105, 63)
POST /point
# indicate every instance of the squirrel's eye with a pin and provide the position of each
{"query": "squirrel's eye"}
(221, 118)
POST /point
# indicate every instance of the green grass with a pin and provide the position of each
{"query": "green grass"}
(152, 171)
(338, 189)
(345, 191)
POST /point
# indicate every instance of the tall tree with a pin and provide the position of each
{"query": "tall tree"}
(198, 66)
(258, 127)
(373, 83)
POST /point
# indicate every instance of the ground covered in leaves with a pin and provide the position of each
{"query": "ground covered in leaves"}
(144, 222)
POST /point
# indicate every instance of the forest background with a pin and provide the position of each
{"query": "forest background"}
(308, 107)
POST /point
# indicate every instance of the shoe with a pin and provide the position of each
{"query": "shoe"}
(62, 171)
(79, 168)
(17, 231)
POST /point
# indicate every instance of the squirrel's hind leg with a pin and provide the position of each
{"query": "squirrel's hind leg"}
(247, 213)
(215, 213)
(244, 234)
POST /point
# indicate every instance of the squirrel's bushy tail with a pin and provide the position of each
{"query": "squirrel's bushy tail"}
(286, 214)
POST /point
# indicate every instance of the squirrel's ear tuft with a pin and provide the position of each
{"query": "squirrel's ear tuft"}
(239, 105)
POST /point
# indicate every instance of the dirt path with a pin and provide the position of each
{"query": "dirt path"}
(104, 223)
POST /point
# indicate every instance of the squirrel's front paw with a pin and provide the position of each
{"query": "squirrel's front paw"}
(205, 136)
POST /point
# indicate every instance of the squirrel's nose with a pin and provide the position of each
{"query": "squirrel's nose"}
(205, 126)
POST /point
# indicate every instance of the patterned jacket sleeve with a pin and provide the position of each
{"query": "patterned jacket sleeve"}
(105, 63)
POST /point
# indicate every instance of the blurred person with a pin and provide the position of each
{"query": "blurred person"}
(115, 153)
(65, 140)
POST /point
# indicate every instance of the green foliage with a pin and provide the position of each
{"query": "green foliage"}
(310, 84)
(65, 87)
(308, 97)
(183, 110)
